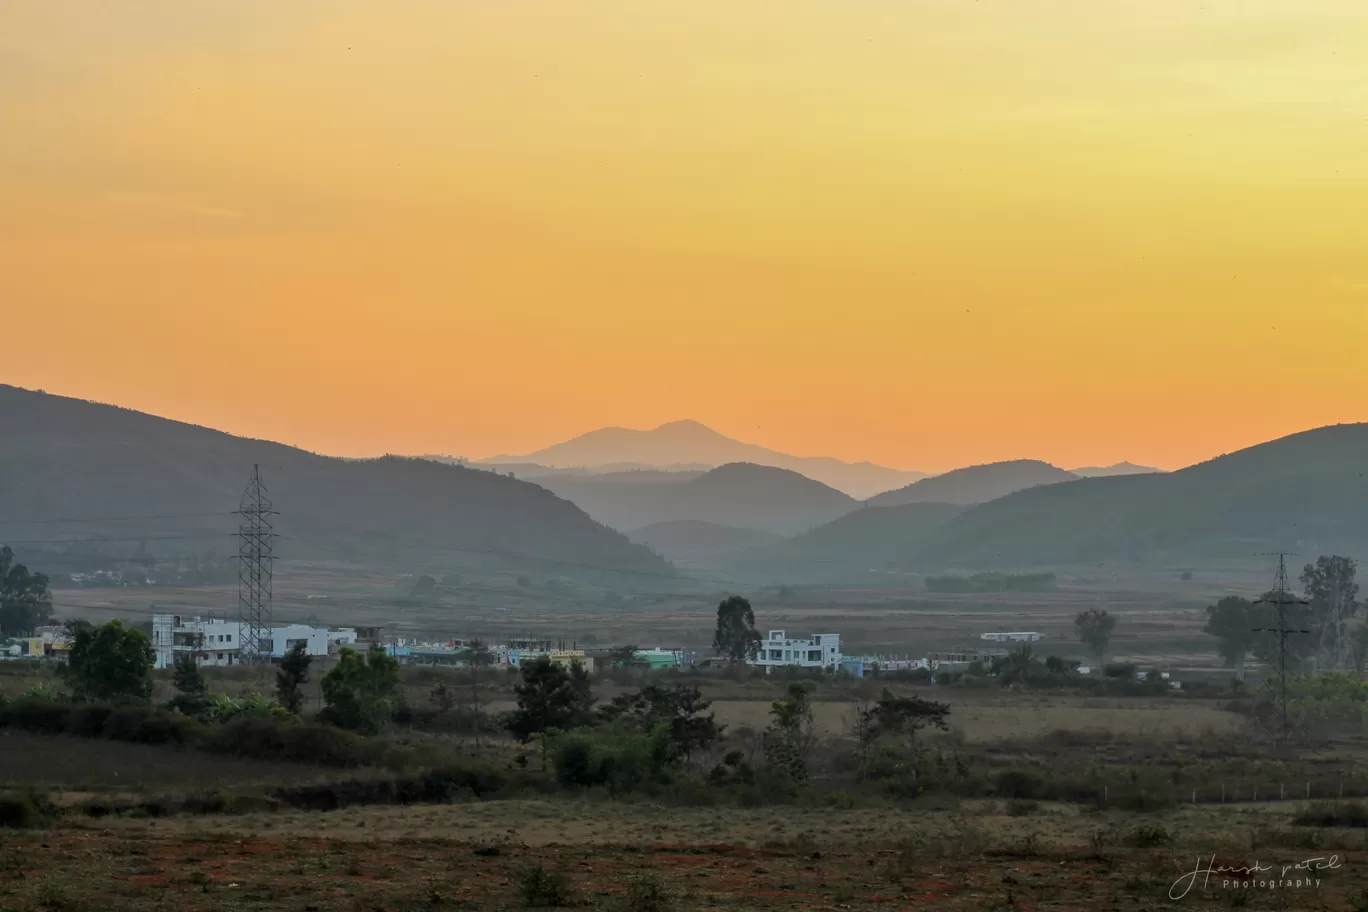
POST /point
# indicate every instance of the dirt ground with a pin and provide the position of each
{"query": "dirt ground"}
(474, 857)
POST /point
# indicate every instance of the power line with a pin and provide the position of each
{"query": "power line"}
(117, 538)
(99, 519)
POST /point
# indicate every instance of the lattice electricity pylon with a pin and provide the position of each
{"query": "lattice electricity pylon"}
(255, 539)
(1281, 599)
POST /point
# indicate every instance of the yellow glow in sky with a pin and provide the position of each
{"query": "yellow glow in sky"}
(922, 232)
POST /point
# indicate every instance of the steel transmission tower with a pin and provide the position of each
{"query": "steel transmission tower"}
(255, 537)
(1281, 598)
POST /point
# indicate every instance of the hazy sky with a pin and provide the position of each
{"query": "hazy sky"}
(922, 232)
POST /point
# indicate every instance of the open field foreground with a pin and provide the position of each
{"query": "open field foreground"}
(640, 857)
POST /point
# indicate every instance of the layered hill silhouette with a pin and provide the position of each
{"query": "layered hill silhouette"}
(63, 459)
(738, 495)
(689, 444)
(693, 543)
(1121, 468)
(859, 547)
(975, 484)
(1306, 493)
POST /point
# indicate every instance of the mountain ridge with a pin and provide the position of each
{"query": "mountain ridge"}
(65, 457)
(687, 441)
(738, 495)
(975, 484)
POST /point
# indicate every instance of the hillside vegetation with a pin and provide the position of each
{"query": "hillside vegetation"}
(739, 495)
(858, 547)
(65, 458)
(1307, 492)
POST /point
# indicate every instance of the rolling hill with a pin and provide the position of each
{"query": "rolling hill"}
(975, 484)
(1121, 468)
(1306, 493)
(691, 543)
(739, 495)
(857, 547)
(690, 444)
(131, 476)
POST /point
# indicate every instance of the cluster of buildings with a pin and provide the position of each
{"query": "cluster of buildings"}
(46, 643)
(218, 642)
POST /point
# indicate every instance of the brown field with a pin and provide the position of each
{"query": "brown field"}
(59, 762)
(473, 857)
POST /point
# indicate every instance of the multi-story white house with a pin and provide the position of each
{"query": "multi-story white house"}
(821, 650)
(212, 642)
(216, 642)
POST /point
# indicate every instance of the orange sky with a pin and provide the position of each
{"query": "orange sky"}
(922, 232)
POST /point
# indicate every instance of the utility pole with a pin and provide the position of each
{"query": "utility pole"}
(1280, 599)
(255, 564)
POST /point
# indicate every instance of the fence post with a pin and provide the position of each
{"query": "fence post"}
(1104, 794)
(1341, 788)
(1308, 789)
(1256, 793)
(1222, 793)
(1282, 791)
(1194, 796)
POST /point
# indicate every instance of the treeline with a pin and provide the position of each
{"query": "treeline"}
(992, 582)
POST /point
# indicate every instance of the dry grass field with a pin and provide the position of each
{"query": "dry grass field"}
(1160, 614)
(640, 858)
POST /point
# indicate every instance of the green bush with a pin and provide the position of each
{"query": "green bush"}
(612, 756)
(544, 889)
(40, 715)
(1019, 784)
(645, 894)
(1332, 814)
(24, 810)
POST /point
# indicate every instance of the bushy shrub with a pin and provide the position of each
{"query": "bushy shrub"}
(612, 756)
(142, 725)
(1332, 814)
(40, 715)
(1019, 784)
(646, 894)
(24, 810)
(541, 888)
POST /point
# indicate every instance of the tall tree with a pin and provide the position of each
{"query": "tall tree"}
(477, 657)
(789, 738)
(193, 694)
(1232, 621)
(1094, 628)
(109, 662)
(1333, 593)
(894, 715)
(291, 677)
(25, 603)
(358, 692)
(736, 636)
(680, 708)
(550, 697)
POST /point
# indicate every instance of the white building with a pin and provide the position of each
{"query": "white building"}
(821, 650)
(212, 642)
(215, 642)
(1017, 637)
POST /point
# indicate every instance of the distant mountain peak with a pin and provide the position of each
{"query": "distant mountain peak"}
(689, 441)
(687, 424)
